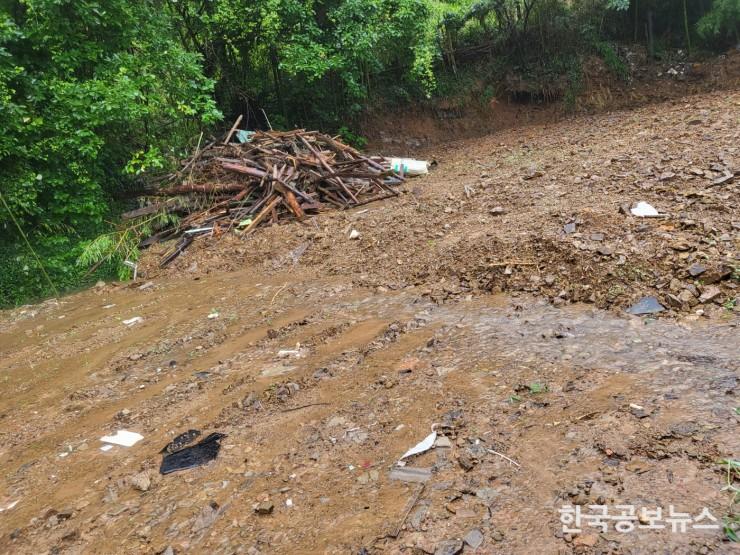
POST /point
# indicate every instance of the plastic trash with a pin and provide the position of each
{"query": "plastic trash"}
(123, 437)
(424, 445)
(409, 166)
(181, 441)
(196, 455)
(134, 266)
(644, 210)
(9, 506)
(132, 321)
(244, 136)
(198, 230)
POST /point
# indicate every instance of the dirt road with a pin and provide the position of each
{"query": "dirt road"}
(466, 307)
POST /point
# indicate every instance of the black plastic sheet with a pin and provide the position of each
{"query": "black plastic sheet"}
(196, 455)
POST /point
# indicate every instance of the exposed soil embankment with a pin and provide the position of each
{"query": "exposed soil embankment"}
(478, 112)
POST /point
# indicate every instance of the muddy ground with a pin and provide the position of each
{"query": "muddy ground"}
(464, 306)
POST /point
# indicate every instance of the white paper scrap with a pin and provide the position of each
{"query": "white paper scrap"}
(423, 445)
(123, 437)
(643, 209)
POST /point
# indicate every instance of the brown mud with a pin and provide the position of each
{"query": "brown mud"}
(447, 311)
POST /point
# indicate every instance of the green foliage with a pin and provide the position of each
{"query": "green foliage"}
(731, 522)
(619, 5)
(732, 475)
(352, 138)
(616, 65)
(721, 23)
(114, 248)
(22, 279)
(90, 93)
(731, 527)
(537, 388)
(309, 63)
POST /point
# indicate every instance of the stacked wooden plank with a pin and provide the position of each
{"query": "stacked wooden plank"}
(236, 187)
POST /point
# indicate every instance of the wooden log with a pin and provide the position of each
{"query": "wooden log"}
(246, 170)
(233, 128)
(205, 188)
(146, 210)
(326, 166)
(263, 214)
(182, 244)
(292, 203)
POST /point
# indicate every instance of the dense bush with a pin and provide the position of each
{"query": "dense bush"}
(92, 94)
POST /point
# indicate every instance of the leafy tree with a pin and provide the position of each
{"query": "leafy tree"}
(722, 22)
(92, 93)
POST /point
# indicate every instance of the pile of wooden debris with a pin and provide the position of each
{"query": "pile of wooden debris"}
(237, 186)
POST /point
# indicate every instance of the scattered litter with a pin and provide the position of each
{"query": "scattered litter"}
(644, 210)
(196, 455)
(410, 474)
(354, 234)
(213, 315)
(423, 445)
(409, 166)
(181, 441)
(244, 136)
(646, 305)
(288, 502)
(123, 437)
(109, 306)
(106, 447)
(133, 321)
(134, 266)
(198, 230)
(9, 506)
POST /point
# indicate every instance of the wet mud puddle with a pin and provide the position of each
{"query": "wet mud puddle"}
(535, 409)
